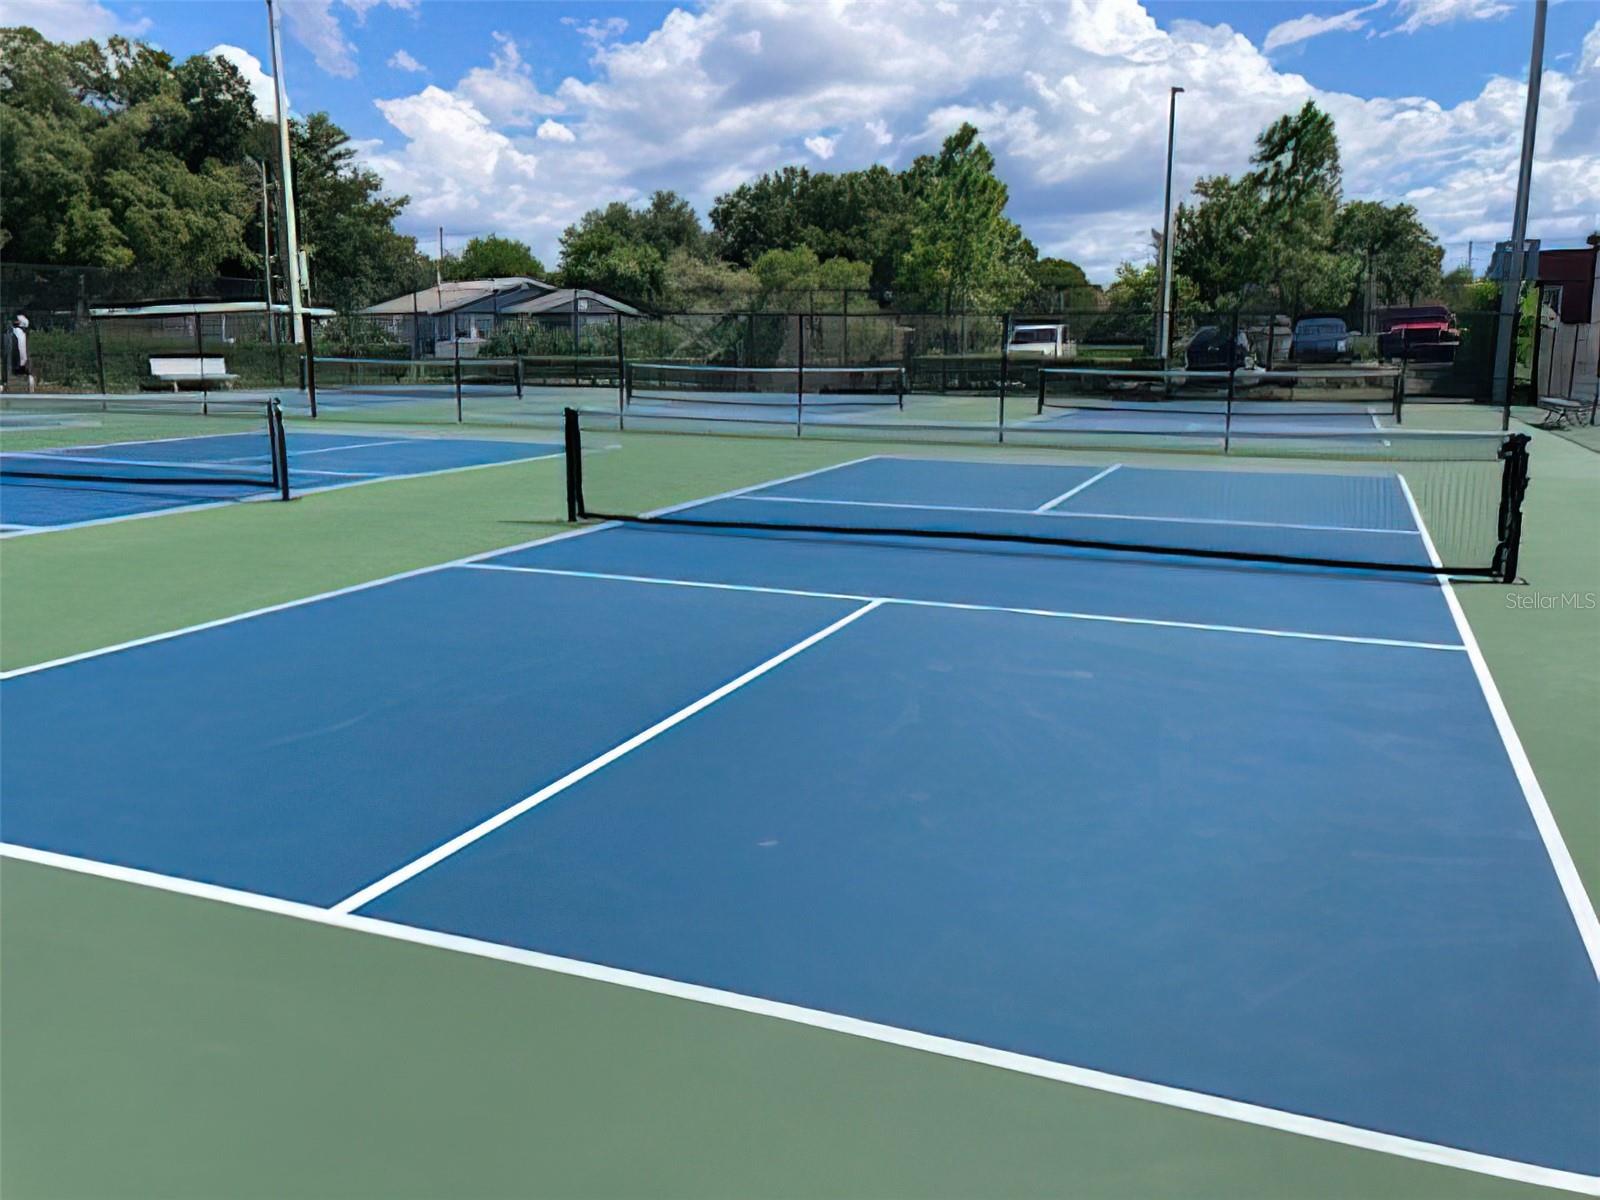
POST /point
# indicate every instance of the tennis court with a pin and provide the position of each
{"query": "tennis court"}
(58, 487)
(1250, 838)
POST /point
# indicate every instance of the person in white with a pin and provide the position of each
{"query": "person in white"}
(21, 365)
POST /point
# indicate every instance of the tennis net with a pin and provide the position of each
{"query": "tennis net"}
(1423, 503)
(796, 386)
(392, 379)
(1366, 392)
(233, 461)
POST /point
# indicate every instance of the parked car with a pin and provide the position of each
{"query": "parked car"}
(1427, 333)
(1042, 341)
(1320, 339)
(1209, 350)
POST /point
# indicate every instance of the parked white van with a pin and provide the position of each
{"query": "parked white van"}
(1042, 341)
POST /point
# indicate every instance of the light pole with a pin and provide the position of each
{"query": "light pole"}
(1511, 286)
(291, 247)
(1164, 321)
(266, 247)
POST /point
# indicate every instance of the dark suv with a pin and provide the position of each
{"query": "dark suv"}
(1320, 339)
(1208, 350)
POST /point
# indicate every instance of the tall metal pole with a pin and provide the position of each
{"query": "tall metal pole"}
(1511, 286)
(1164, 322)
(291, 237)
(266, 249)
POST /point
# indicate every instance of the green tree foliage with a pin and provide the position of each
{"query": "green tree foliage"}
(861, 216)
(1281, 237)
(112, 155)
(1391, 241)
(493, 257)
(1059, 284)
(116, 155)
(1137, 289)
(601, 258)
(965, 252)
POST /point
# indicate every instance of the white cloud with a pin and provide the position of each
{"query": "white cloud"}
(71, 20)
(254, 74)
(401, 60)
(597, 30)
(316, 25)
(504, 91)
(1079, 133)
(1301, 29)
(1419, 14)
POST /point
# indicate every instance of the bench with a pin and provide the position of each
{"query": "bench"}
(1563, 413)
(206, 371)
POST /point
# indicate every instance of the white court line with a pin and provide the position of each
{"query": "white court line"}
(294, 454)
(1583, 912)
(270, 496)
(149, 639)
(1022, 1064)
(462, 840)
(767, 483)
(1073, 491)
(102, 460)
(910, 602)
(1095, 516)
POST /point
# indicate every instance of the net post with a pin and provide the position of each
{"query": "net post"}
(572, 445)
(516, 373)
(455, 344)
(1042, 378)
(309, 363)
(622, 369)
(280, 447)
(900, 386)
(1513, 486)
(800, 376)
(99, 357)
(1400, 396)
(200, 350)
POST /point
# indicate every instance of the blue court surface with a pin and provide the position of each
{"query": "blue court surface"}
(1250, 840)
(161, 474)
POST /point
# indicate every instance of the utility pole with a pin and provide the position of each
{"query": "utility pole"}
(1511, 286)
(1164, 318)
(291, 248)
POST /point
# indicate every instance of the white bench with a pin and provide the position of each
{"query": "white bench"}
(1565, 413)
(207, 371)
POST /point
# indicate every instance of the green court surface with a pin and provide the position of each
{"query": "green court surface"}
(164, 1044)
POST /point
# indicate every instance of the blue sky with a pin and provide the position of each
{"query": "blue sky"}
(515, 117)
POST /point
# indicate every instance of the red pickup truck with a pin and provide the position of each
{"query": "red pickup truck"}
(1426, 333)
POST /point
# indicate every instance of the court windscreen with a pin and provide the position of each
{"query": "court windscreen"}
(1421, 503)
(145, 442)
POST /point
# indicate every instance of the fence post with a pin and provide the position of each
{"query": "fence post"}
(800, 375)
(310, 361)
(99, 355)
(455, 344)
(1005, 361)
(622, 365)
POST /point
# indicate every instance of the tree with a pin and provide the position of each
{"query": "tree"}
(1390, 241)
(1298, 177)
(964, 252)
(602, 259)
(493, 257)
(861, 216)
